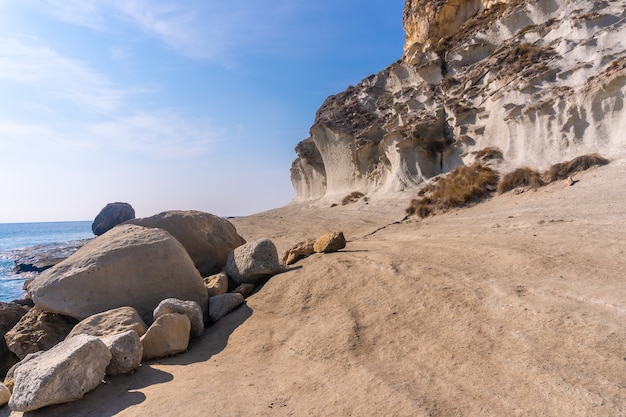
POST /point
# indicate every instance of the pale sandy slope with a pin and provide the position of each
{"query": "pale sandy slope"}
(516, 307)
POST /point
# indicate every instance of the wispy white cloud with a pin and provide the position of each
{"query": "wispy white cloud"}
(11, 131)
(211, 30)
(55, 76)
(158, 135)
(103, 114)
(88, 13)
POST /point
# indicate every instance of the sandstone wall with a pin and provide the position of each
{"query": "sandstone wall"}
(543, 80)
(430, 20)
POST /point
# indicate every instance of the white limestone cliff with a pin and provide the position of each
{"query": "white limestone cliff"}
(542, 80)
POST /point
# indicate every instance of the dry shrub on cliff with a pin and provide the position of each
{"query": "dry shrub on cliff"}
(565, 169)
(463, 186)
(429, 187)
(521, 177)
(489, 153)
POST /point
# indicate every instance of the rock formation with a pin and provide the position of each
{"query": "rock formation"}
(542, 80)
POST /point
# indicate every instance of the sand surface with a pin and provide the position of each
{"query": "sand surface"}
(515, 307)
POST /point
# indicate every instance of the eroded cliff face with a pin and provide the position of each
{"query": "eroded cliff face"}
(543, 80)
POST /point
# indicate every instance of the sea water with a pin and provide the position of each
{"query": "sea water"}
(18, 238)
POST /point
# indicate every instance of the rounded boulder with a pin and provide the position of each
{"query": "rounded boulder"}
(110, 216)
(208, 239)
(253, 261)
(129, 266)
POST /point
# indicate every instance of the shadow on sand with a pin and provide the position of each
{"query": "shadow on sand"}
(120, 392)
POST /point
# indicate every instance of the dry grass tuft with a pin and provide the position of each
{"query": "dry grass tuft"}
(489, 153)
(471, 184)
(464, 185)
(352, 198)
(565, 169)
(521, 177)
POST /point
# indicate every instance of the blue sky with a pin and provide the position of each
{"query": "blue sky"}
(195, 104)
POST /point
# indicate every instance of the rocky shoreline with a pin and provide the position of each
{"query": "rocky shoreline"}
(41, 257)
(138, 292)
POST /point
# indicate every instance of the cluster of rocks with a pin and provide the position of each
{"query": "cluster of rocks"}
(327, 243)
(140, 291)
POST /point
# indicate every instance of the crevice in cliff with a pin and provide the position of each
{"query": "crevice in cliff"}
(447, 133)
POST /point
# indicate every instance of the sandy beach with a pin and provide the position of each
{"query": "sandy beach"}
(514, 307)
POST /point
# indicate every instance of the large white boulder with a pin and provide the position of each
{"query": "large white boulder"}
(127, 266)
(207, 238)
(64, 373)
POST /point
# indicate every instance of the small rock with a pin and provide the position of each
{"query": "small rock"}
(111, 322)
(168, 335)
(244, 289)
(64, 373)
(253, 261)
(299, 251)
(191, 309)
(126, 352)
(5, 394)
(330, 242)
(221, 305)
(110, 216)
(216, 284)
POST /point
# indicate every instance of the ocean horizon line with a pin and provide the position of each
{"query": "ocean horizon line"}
(50, 221)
